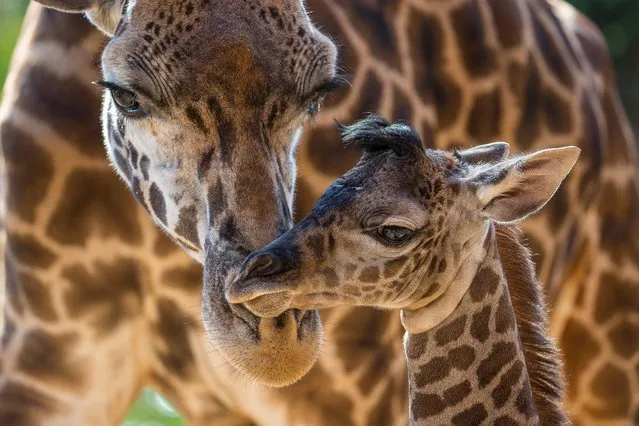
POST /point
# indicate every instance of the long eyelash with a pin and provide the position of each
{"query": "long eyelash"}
(334, 84)
(111, 86)
(107, 85)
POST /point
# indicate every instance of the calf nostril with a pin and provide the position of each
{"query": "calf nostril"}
(262, 265)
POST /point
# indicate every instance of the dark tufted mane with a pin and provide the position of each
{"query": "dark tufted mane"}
(374, 133)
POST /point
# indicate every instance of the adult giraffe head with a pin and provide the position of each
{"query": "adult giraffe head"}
(203, 107)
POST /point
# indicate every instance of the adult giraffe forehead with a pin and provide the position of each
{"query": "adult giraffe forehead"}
(175, 49)
(245, 51)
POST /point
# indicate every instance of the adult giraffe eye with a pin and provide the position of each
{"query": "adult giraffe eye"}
(395, 234)
(126, 101)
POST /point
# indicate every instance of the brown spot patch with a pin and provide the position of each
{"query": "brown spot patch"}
(28, 251)
(548, 46)
(619, 213)
(504, 316)
(163, 245)
(479, 59)
(500, 355)
(484, 121)
(322, 144)
(305, 197)
(507, 22)
(195, 117)
(382, 413)
(450, 332)
(416, 345)
(173, 347)
(378, 361)
(456, 394)
(433, 371)
(29, 171)
(557, 113)
(432, 82)
(52, 20)
(49, 358)
(158, 204)
(474, 415)
(334, 407)
(188, 278)
(374, 22)
(423, 406)
(558, 208)
(625, 339)
(402, 109)
(331, 280)
(616, 147)
(22, 405)
(592, 141)
(479, 326)
(114, 290)
(393, 267)
(524, 401)
(531, 103)
(13, 291)
(7, 333)
(358, 338)
(68, 105)
(615, 297)
(94, 202)
(461, 357)
(579, 348)
(505, 421)
(484, 283)
(36, 295)
(612, 390)
(370, 274)
(502, 391)
(186, 226)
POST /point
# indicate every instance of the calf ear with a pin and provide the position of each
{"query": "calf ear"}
(515, 188)
(104, 14)
(488, 153)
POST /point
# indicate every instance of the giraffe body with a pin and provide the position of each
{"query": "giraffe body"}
(72, 230)
(413, 229)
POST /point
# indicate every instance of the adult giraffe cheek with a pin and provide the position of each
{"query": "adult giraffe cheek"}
(276, 351)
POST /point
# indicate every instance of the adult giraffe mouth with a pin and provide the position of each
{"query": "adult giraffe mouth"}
(272, 350)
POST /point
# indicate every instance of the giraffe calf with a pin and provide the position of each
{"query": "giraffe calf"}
(426, 231)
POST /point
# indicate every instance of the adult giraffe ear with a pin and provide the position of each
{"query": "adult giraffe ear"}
(104, 14)
(515, 188)
(488, 153)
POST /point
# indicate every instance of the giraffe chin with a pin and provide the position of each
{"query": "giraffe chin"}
(276, 351)
(286, 349)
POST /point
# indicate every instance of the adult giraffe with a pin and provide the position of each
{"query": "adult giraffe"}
(83, 272)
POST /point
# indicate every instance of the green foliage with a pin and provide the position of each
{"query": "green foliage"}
(151, 409)
(11, 12)
(617, 20)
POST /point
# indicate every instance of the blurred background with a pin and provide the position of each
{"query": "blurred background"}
(616, 18)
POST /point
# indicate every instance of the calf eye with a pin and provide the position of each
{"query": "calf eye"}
(394, 234)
